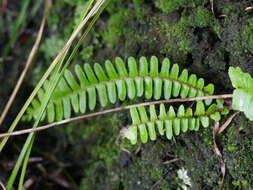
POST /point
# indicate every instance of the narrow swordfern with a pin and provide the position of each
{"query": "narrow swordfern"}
(106, 84)
(112, 82)
(169, 123)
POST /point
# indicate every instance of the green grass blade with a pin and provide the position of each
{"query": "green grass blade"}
(31, 135)
(55, 79)
(44, 77)
(26, 160)
(18, 24)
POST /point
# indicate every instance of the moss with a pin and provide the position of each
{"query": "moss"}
(114, 5)
(235, 35)
(87, 53)
(237, 153)
(231, 147)
(202, 18)
(97, 156)
(183, 40)
(146, 169)
(248, 35)
(231, 9)
(169, 6)
(138, 2)
(51, 46)
(121, 25)
(196, 152)
(179, 35)
(71, 2)
(116, 27)
(175, 39)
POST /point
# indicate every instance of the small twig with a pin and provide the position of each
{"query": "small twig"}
(28, 183)
(171, 161)
(216, 131)
(4, 6)
(224, 126)
(137, 150)
(218, 153)
(248, 8)
(28, 63)
(159, 182)
(2, 186)
(20, 132)
(156, 184)
(125, 150)
(8, 165)
(222, 16)
(211, 2)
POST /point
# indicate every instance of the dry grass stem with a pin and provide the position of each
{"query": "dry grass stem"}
(218, 153)
(226, 124)
(248, 8)
(28, 63)
(2, 186)
(25, 131)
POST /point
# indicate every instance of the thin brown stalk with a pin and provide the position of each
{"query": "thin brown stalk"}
(218, 153)
(2, 186)
(212, 7)
(216, 131)
(4, 6)
(225, 125)
(171, 161)
(248, 8)
(20, 132)
(60, 54)
(28, 63)
(28, 183)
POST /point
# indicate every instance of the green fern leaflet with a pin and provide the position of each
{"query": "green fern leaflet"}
(243, 92)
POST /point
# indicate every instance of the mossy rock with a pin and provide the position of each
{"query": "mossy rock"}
(169, 6)
(248, 35)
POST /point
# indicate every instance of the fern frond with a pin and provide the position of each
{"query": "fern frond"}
(169, 123)
(119, 81)
(243, 92)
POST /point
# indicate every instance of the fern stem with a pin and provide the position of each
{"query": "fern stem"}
(84, 88)
(44, 127)
(183, 117)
